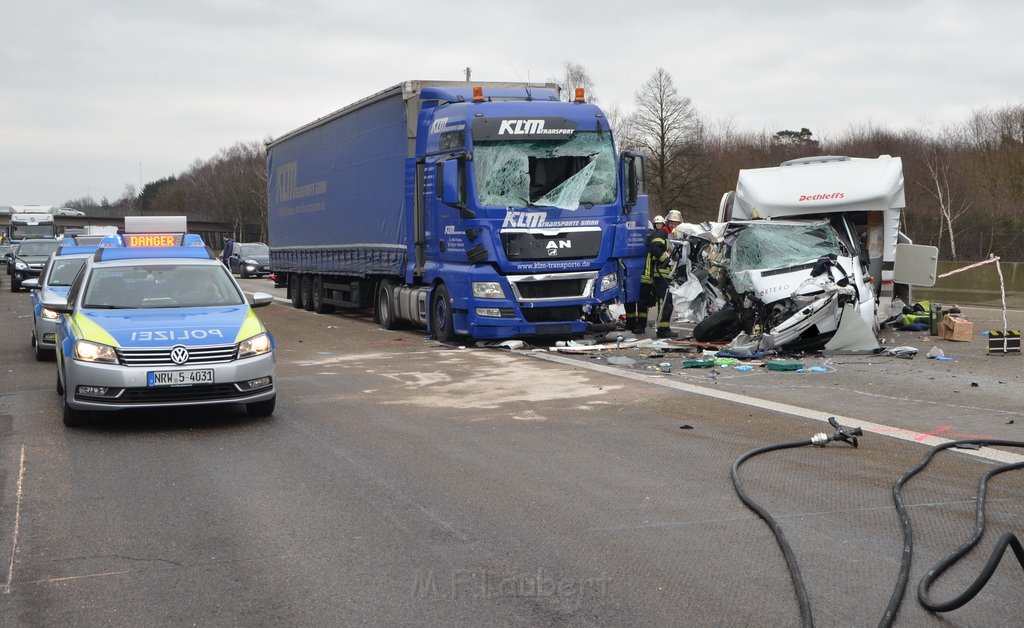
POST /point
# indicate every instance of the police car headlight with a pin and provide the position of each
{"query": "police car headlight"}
(609, 282)
(257, 345)
(20, 265)
(49, 314)
(488, 290)
(88, 351)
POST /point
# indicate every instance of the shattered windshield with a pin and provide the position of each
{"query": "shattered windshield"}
(548, 173)
(766, 245)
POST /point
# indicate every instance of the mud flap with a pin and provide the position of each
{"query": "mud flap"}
(853, 337)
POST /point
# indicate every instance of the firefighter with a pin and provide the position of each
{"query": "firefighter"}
(654, 284)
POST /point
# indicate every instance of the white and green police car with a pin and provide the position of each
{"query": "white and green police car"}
(154, 320)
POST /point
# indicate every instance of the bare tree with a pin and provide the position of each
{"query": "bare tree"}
(949, 210)
(575, 75)
(667, 127)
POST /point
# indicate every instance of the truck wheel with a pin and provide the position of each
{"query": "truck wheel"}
(261, 408)
(385, 311)
(441, 320)
(318, 297)
(307, 293)
(295, 289)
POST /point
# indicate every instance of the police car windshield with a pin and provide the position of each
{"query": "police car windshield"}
(160, 286)
(64, 271)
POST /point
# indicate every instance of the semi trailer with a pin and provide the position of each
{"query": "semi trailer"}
(477, 210)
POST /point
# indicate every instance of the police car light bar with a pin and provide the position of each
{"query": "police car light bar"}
(75, 249)
(179, 252)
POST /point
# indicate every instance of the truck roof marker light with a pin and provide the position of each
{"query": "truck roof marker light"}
(580, 95)
(478, 93)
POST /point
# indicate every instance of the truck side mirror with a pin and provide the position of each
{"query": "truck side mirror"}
(453, 181)
(633, 164)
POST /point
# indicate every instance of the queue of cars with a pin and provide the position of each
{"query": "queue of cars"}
(150, 319)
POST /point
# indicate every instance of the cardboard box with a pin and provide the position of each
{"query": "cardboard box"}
(956, 329)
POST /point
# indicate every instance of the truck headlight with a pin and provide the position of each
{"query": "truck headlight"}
(49, 314)
(257, 345)
(609, 282)
(488, 290)
(88, 351)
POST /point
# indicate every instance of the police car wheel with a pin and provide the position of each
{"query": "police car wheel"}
(74, 418)
(261, 408)
(41, 353)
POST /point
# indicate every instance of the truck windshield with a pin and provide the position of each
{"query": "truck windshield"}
(23, 232)
(548, 173)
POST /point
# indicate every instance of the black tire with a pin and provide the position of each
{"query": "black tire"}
(15, 285)
(318, 297)
(385, 310)
(41, 354)
(722, 325)
(242, 273)
(307, 292)
(442, 321)
(261, 408)
(295, 289)
(72, 417)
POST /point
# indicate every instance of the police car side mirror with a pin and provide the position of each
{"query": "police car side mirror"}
(30, 283)
(57, 304)
(259, 299)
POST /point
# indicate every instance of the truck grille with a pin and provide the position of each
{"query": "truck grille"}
(552, 287)
(161, 356)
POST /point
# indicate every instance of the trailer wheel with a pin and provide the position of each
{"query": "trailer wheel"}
(441, 320)
(318, 297)
(385, 310)
(307, 292)
(295, 289)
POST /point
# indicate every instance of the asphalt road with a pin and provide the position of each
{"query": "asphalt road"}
(404, 482)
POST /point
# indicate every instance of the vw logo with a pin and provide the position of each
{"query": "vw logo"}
(179, 355)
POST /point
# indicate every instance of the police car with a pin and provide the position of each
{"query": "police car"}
(154, 320)
(56, 278)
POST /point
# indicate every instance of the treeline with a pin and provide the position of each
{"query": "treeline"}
(964, 186)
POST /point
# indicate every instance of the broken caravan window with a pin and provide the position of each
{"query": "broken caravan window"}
(765, 245)
(550, 173)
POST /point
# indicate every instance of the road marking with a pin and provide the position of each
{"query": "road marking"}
(985, 453)
(17, 521)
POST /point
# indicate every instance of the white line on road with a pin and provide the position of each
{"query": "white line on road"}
(986, 453)
(17, 522)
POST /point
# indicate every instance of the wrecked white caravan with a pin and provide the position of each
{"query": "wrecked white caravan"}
(803, 257)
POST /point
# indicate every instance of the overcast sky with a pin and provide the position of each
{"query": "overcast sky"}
(99, 94)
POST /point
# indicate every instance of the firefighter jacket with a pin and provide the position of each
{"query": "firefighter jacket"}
(659, 261)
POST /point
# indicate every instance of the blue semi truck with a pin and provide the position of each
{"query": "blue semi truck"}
(480, 210)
